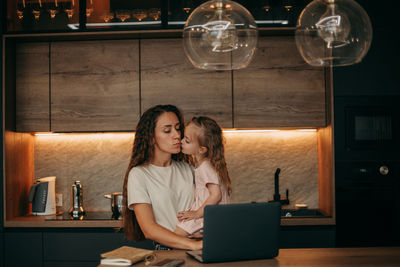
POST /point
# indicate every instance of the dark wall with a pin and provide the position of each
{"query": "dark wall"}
(2, 5)
(1, 144)
(377, 74)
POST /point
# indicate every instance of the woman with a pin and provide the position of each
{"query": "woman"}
(158, 183)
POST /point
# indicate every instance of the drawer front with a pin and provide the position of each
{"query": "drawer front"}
(84, 246)
(23, 249)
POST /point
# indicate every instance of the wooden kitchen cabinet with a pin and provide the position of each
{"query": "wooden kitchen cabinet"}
(100, 86)
(32, 87)
(278, 89)
(94, 85)
(167, 77)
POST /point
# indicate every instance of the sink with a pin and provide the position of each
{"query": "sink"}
(302, 213)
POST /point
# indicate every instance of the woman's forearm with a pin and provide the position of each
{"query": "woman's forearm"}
(170, 239)
(152, 230)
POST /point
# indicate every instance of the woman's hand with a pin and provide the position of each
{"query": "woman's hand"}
(189, 215)
(197, 245)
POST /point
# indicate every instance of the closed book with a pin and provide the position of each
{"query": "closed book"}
(125, 256)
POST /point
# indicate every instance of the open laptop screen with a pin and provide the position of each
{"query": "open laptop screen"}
(241, 231)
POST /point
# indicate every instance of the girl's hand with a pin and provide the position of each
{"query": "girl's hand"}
(188, 215)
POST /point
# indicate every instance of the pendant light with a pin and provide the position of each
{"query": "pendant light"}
(220, 35)
(333, 33)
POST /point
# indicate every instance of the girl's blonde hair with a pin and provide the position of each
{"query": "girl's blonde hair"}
(211, 137)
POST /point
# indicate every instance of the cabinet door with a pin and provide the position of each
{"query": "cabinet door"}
(94, 85)
(167, 77)
(278, 89)
(32, 87)
(1, 248)
(23, 249)
(84, 247)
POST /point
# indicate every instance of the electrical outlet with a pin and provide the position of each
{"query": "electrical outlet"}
(59, 200)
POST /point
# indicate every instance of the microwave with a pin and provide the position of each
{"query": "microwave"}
(367, 128)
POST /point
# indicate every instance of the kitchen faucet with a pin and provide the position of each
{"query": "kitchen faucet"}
(277, 196)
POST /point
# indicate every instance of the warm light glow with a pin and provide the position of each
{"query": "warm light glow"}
(275, 134)
(307, 130)
(265, 130)
(103, 134)
(250, 131)
(41, 134)
(224, 130)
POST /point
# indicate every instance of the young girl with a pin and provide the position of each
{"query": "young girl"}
(203, 140)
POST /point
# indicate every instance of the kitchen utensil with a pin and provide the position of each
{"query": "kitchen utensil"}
(116, 204)
(76, 209)
(43, 196)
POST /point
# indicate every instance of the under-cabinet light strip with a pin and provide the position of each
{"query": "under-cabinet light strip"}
(42, 134)
(225, 131)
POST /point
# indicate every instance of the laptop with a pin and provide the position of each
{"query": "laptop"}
(234, 232)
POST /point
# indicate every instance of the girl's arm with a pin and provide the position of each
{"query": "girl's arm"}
(214, 198)
(154, 231)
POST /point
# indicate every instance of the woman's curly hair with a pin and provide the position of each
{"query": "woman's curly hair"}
(142, 153)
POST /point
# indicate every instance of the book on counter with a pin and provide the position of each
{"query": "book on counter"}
(125, 256)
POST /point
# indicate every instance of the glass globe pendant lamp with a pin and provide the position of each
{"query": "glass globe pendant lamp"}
(333, 33)
(220, 35)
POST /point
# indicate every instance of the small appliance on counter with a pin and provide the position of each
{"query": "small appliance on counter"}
(76, 209)
(43, 196)
(116, 204)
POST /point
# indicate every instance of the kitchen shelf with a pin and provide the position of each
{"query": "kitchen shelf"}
(32, 16)
(126, 34)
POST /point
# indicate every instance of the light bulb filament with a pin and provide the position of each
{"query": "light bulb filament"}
(329, 23)
(334, 30)
(221, 35)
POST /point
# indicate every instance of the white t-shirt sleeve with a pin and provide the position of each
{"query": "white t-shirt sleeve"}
(137, 188)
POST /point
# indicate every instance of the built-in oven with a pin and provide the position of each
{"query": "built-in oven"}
(367, 203)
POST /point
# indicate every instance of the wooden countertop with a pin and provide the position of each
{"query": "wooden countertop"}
(371, 256)
(42, 221)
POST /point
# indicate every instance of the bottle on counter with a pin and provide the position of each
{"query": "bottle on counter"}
(76, 209)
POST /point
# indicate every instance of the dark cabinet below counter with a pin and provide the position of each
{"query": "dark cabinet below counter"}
(23, 249)
(82, 247)
(1, 249)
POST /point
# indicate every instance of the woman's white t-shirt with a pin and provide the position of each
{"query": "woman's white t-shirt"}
(168, 189)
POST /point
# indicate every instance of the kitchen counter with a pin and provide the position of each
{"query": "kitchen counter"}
(91, 219)
(102, 219)
(371, 256)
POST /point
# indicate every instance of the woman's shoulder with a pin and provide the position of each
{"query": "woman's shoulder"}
(181, 164)
(137, 171)
(183, 167)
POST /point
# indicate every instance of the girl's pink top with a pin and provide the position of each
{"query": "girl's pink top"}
(203, 175)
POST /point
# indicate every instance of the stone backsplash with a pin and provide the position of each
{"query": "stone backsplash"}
(100, 161)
